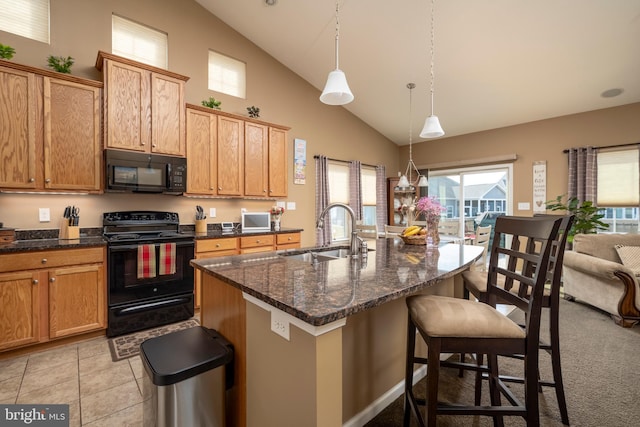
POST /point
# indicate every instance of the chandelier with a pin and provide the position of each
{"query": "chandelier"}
(406, 183)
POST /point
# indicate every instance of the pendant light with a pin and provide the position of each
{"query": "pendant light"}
(336, 91)
(432, 128)
(406, 184)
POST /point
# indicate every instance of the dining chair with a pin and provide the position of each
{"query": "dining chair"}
(482, 237)
(475, 283)
(392, 230)
(455, 325)
(367, 231)
(449, 228)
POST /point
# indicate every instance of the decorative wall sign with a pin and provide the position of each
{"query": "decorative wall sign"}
(539, 186)
(299, 161)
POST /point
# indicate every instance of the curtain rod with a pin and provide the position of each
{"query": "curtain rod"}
(611, 146)
(344, 161)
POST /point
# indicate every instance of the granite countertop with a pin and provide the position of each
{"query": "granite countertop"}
(323, 292)
(42, 240)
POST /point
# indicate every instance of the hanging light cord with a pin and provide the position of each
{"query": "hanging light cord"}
(411, 163)
(432, 50)
(338, 35)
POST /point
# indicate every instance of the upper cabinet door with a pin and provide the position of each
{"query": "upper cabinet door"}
(17, 128)
(127, 107)
(277, 162)
(202, 138)
(230, 156)
(256, 162)
(168, 115)
(72, 149)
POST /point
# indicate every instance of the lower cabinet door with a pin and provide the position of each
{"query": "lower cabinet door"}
(76, 300)
(19, 309)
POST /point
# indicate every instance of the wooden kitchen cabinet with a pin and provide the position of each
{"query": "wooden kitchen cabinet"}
(256, 159)
(230, 153)
(202, 135)
(45, 295)
(20, 309)
(288, 241)
(144, 106)
(257, 243)
(277, 162)
(51, 137)
(212, 248)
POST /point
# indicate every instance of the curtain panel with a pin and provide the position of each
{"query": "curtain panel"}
(323, 235)
(583, 173)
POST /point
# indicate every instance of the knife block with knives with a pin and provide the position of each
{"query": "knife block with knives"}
(69, 228)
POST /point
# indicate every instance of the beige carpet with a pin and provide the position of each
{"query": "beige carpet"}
(600, 363)
(126, 346)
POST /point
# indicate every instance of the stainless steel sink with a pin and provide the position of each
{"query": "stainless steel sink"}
(310, 257)
(319, 254)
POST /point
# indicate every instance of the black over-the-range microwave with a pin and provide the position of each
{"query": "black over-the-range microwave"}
(142, 172)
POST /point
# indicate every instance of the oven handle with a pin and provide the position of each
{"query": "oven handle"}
(152, 306)
(119, 248)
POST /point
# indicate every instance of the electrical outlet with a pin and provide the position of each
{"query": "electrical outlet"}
(291, 206)
(280, 324)
(212, 212)
(44, 214)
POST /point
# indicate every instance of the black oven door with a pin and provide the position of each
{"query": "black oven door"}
(127, 284)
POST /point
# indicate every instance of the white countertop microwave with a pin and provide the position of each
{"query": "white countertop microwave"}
(253, 222)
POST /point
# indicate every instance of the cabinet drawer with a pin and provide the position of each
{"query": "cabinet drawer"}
(286, 239)
(48, 259)
(211, 245)
(257, 241)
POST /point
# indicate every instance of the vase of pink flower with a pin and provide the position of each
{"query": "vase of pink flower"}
(276, 215)
(429, 209)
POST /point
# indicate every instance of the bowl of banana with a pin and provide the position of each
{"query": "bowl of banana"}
(414, 235)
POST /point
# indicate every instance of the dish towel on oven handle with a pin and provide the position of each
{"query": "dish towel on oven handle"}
(167, 259)
(146, 261)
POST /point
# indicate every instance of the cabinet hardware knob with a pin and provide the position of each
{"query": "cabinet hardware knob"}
(44, 260)
(219, 188)
(153, 145)
(288, 238)
(47, 180)
(53, 279)
(32, 180)
(142, 143)
(217, 245)
(34, 281)
(257, 241)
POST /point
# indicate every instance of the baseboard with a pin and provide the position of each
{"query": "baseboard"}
(378, 405)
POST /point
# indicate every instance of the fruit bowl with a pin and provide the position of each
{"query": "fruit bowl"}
(416, 239)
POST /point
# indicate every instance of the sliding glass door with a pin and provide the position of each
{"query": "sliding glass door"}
(472, 196)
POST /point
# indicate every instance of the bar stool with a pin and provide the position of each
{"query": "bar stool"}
(475, 282)
(453, 325)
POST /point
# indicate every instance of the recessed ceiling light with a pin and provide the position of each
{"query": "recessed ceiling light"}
(610, 93)
(270, 2)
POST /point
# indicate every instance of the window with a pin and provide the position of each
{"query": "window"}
(618, 189)
(139, 42)
(339, 192)
(26, 18)
(227, 75)
(368, 183)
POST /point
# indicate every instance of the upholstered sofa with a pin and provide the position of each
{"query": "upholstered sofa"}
(593, 273)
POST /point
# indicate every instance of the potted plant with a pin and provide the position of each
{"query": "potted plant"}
(587, 216)
(60, 63)
(6, 52)
(212, 103)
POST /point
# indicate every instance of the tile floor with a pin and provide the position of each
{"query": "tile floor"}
(99, 392)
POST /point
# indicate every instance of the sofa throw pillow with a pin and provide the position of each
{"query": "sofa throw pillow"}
(630, 257)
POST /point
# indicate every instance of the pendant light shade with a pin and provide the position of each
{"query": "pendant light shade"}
(432, 128)
(336, 90)
(423, 182)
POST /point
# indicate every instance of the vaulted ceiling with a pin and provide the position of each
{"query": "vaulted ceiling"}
(497, 62)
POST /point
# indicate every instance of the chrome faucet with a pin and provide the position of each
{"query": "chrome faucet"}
(356, 241)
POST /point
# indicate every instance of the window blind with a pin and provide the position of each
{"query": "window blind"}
(227, 75)
(368, 181)
(338, 183)
(618, 178)
(26, 18)
(139, 42)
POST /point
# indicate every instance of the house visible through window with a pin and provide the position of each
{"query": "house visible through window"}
(227, 75)
(24, 18)
(619, 189)
(139, 42)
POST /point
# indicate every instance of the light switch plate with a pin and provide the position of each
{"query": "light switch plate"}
(212, 212)
(524, 206)
(291, 206)
(44, 214)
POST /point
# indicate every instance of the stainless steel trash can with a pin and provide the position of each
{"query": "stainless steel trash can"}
(186, 377)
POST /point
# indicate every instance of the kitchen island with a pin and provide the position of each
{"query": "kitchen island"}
(321, 343)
